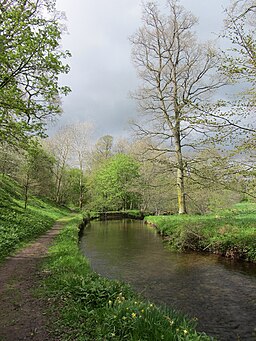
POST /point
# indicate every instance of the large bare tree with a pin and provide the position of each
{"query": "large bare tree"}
(70, 147)
(178, 75)
(80, 134)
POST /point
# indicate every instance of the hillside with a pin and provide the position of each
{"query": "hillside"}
(19, 225)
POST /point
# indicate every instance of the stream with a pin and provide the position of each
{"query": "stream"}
(220, 293)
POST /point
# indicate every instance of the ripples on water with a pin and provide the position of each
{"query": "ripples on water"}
(219, 292)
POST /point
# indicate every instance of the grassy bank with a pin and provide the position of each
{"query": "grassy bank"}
(231, 233)
(19, 225)
(89, 307)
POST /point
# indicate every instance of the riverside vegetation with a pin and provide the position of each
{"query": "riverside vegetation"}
(82, 304)
(90, 307)
(230, 232)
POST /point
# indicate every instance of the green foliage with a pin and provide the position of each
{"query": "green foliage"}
(230, 232)
(113, 184)
(18, 225)
(73, 184)
(240, 63)
(89, 307)
(30, 64)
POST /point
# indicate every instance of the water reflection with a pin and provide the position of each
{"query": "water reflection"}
(220, 293)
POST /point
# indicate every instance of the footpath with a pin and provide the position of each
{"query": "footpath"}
(21, 312)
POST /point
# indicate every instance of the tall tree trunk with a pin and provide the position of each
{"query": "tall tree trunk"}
(181, 191)
(180, 173)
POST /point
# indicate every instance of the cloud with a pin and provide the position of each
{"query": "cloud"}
(102, 74)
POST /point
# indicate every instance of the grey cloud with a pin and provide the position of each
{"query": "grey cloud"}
(102, 74)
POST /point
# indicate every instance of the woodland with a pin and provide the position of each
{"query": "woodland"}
(192, 150)
(188, 163)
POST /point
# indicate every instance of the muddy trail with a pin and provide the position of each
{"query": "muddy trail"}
(22, 314)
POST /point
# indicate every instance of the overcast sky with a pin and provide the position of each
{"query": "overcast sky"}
(102, 74)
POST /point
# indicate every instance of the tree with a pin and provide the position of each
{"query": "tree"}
(35, 172)
(72, 187)
(9, 159)
(177, 75)
(60, 147)
(113, 184)
(30, 64)
(156, 181)
(103, 148)
(80, 135)
(240, 62)
(70, 147)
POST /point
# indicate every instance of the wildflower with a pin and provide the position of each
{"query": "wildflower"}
(120, 298)
(133, 315)
(109, 302)
(170, 320)
(151, 305)
(142, 310)
(185, 331)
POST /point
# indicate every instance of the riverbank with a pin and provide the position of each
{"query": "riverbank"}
(230, 233)
(86, 306)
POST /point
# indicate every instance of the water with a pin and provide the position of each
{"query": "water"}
(220, 293)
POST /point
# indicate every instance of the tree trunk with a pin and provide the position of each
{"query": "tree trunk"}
(81, 190)
(180, 173)
(26, 186)
(181, 191)
(81, 185)
(57, 196)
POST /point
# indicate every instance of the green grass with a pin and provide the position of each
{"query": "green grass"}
(87, 306)
(17, 225)
(231, 232)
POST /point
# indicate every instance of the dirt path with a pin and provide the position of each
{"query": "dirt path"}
(21, 313)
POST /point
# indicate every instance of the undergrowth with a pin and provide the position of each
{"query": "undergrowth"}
(231, 233)
(19, 225)
(90, 307)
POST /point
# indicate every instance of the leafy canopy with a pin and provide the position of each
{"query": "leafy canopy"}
(30, 64)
